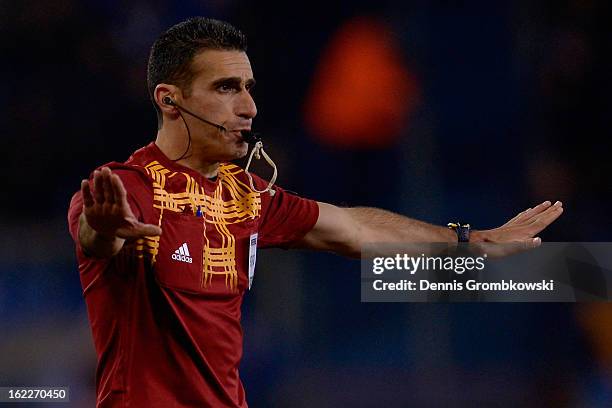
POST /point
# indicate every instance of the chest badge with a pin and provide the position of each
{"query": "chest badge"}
(252, 257)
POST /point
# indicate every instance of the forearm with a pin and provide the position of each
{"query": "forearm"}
(345, 231)
(377, 225)
(95, 244)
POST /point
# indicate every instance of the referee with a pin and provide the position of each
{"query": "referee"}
(167, 241)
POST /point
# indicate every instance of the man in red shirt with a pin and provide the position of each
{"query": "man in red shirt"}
(166, 242)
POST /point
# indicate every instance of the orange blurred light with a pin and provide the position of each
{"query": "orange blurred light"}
(362, 92)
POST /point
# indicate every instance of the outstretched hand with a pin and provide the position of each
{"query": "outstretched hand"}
(107, 211)
(520, 233)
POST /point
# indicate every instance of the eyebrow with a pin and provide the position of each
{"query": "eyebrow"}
(233, 81)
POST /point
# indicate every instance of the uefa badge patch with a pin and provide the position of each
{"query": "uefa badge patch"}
(252, 257)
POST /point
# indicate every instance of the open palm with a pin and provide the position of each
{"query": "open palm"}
(107, 210)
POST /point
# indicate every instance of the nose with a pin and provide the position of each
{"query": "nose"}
(246, 107)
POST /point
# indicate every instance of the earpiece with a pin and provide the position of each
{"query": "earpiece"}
(168, 100)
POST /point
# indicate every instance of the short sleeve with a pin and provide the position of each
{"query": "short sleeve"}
(285, 218)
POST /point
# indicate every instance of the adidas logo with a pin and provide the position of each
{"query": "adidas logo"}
(182, 254)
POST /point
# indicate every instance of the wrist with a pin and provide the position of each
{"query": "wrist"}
(95, 243)
(461, 230)
(450, 235)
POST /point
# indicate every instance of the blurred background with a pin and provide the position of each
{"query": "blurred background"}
(434, 109)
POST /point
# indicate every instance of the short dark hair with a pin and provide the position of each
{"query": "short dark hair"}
(173, 52)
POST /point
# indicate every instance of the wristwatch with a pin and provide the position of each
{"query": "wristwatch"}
(462, 231)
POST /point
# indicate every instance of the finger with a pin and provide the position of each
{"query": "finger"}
(119, 193)
(558, 206)
(109, 196)
(524, 245)
(146, 230)
(533, 242)
(517, 217)
(98, 189)
(545, 219)
(538, 209)
(501, 249)
(139, 230)
(528, 213)
(521, 246)
(88, 200)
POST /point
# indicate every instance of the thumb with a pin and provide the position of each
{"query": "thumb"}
(148, 230)
(139, 230)
(531, 243)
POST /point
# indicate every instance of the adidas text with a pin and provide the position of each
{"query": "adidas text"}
(182, 258)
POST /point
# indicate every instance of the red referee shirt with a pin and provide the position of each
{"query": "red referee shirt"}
(165, 311)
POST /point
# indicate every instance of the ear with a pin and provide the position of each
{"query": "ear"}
(163, 90)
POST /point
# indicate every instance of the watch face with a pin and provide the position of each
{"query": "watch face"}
(463, 232)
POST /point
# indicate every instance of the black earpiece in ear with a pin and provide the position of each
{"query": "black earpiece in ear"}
(168, 100)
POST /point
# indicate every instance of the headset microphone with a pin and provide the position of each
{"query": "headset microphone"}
(169, 101)
(248, 136)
